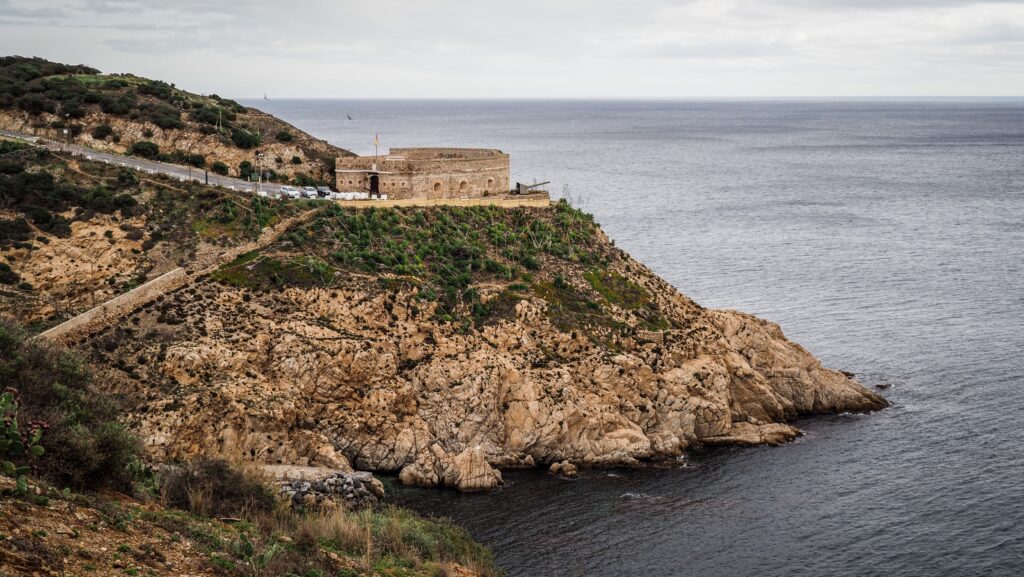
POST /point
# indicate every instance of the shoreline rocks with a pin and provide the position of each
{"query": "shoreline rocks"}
(357, 490)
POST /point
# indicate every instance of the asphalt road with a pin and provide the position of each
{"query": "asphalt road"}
(182, 173)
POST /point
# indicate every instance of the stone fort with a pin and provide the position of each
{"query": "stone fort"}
(431, 173)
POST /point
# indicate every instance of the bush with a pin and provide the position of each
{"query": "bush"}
(213, 487)
(102, 131)
(72, 109)
(284, 136)
(145, 149)
(245, 169)
(86, 446)
(161, 90)
(196, 160)
(36, 104)
(219, 167)
(244, 139)
(296, 160)
(119, 105)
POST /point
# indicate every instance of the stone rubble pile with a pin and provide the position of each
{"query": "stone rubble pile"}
(353, 490)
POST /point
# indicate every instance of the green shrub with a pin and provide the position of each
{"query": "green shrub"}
(102, 131)
(245, 169)
(117, 105)
(196, 160)
(296, 160)
(284, 136)
(244, 139)
(86, 446)
(36, 104)
(219, 167)
(145, 149)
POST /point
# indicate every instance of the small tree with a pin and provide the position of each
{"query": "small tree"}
(145, 149)
(219, 167)
(284, 136)
(244, 169)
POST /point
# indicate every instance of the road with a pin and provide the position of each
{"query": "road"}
(179, 172)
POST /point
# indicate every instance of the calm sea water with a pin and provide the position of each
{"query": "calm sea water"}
(886, 237)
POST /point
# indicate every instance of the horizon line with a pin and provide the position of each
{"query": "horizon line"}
(636, 98)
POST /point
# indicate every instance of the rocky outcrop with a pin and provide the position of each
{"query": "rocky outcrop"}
(467, 471)
(367, 375)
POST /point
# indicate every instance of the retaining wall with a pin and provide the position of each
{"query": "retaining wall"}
(116, 308)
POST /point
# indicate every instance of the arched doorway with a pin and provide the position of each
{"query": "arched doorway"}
(490, 185)
(437, 187)
(463, 186)
(374, 185)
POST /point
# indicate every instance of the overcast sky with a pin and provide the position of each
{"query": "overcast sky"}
(537, 48)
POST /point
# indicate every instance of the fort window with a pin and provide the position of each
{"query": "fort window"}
(490, 184)
(463, 186)
(437, 187)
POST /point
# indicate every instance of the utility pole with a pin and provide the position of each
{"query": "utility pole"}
(259, 171)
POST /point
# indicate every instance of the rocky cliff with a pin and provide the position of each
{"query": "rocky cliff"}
(445, 344)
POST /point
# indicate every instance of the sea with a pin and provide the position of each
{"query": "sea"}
(885, 236)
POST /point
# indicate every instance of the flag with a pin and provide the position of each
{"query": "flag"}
(376, 139)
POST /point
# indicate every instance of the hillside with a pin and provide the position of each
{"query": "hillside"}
(127, 114)
(74, 233)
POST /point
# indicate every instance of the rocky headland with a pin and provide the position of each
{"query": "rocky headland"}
(505, 338)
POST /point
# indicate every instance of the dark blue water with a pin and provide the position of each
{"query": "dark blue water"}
(886, 237)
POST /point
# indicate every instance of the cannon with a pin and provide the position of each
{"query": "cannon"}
(526, 188)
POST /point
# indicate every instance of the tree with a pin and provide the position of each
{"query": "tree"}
(244, 169)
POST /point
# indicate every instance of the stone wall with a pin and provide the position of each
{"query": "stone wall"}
(116, 308)
(121, 306)
(434, 173)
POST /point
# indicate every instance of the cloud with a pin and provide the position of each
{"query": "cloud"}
(610, 48)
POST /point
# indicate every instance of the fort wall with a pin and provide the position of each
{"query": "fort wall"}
(435, 173)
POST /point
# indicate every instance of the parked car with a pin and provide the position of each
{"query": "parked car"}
(324, 191)
(309, 192)
(290, 192)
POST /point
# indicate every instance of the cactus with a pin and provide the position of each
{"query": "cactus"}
(17, 444)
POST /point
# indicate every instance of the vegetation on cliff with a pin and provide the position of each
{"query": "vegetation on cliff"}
(471, 264)
(138, 531)
(127, 113)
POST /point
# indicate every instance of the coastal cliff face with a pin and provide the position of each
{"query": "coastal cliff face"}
(524, 338)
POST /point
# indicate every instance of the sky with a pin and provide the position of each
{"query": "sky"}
(537, 48)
